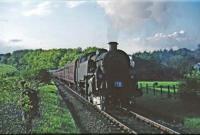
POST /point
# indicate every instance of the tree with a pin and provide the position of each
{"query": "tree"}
(190, 87)
(192, 81)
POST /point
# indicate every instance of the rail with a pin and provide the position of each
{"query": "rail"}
(115, 122)
(152, 123)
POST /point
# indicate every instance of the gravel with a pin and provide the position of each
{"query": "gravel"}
(136, 125)
(87, 119)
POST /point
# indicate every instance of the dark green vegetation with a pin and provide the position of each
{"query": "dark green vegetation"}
(193, 123)
(172, 110)
(192, 81)
(165, 65)
(183, 108)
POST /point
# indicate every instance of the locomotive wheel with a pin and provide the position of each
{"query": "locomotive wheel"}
(103, 103)
(99, 101)
(131, 102)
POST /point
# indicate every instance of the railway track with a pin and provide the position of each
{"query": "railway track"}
(112, 124)
(151, 123)
(118, 122)
(140, 123)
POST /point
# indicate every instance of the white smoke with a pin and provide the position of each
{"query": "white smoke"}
(129, 15)
(125, 12)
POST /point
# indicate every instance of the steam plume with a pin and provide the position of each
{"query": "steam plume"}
(129, 15)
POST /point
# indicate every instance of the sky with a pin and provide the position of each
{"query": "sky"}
(136, 25)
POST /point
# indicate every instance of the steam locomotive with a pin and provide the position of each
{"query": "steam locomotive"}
(105, 77)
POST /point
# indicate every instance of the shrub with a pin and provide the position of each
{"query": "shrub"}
(190, 87)
(192, 81)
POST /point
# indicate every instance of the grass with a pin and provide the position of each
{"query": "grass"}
(192, 123)
(158, 84)
(54, 118)
(5, 69)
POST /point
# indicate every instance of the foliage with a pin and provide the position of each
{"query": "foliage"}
(54, 118)
(167, 64)
(151, 70)
(32, 66)
(192, 81)
(193, 123)
(156, 65)
(10, 91)
(190, 88)
(7, 70)
(26, 101)
(30, 62)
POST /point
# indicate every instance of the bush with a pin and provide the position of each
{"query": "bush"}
(190, 87)
(192, 81)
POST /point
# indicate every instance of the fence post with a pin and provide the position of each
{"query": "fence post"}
(147, 88)
(161, 89)
(140, 85)
(174, 90)
(154, 90)
(168, 91)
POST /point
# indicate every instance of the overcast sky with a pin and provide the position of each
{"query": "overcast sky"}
(137, 26)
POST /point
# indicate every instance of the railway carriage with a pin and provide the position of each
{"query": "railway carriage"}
(70, 73)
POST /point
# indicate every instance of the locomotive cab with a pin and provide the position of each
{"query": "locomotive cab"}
(85, 69)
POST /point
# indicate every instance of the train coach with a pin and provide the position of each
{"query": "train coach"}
(105, 77)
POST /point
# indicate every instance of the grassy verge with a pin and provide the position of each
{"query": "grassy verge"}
(193, 123)
(54, 118)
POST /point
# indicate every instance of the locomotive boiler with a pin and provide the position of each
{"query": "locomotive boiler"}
(105, 77)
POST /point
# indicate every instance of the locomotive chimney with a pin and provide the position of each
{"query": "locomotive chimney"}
(113, 46)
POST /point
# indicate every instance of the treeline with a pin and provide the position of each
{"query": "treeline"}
(30, 62)
(156, 65)
(165, 64)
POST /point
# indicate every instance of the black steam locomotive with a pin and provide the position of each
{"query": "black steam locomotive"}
(105, 78)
